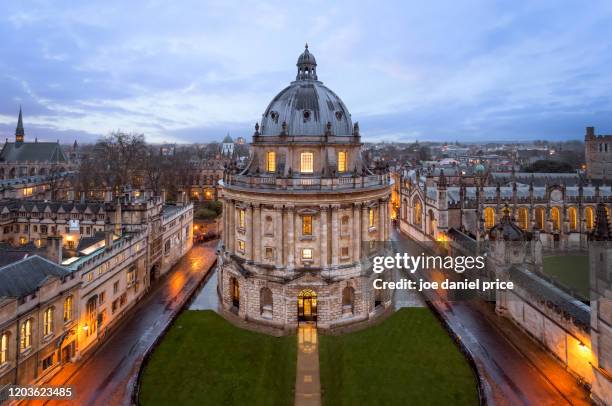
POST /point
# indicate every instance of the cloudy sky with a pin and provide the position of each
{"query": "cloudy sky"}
(191, 71)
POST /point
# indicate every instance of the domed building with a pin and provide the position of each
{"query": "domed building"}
(303, 216)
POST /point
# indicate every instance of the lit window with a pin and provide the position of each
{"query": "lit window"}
(131, 277)
(590, 218)
(342, 161)
(4, 348)
(26, 334)
(573, 218)
(68, 309)
(271, 161)
(241, 246)
(307, 253)
(241, 219)
(306, 162)
(48, 322)
(523, 218)
(371, 217)
(489, 217)
(307, 225)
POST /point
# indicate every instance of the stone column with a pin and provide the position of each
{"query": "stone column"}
(250, 244)
(231, 230)
(364, 228)
(323, 235)
(356, 234)
(290, 237)
(256, 235)
(278, 233)
(335, 233)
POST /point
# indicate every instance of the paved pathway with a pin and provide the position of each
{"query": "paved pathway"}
(307, 378)
(108, 375)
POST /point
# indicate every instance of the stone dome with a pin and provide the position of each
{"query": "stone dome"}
(306, 106)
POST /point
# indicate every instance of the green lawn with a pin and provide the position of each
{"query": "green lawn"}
(204, 360)
(571, 270)
(407, 360)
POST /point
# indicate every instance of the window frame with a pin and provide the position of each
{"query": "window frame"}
(307, 162)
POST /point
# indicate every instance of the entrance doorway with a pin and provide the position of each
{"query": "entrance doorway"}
(307, 305)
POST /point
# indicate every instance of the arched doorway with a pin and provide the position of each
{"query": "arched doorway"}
(307, 305)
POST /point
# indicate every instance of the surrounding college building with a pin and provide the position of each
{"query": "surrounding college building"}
(303, 214)
(598, 154)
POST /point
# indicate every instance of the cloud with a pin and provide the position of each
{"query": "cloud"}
(192, 71)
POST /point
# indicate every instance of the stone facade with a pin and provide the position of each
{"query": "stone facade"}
(302, 217)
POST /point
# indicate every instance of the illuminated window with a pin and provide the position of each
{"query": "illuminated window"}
(573, 218)
(372, 218)
(28, 191)
(307, 253)
(555, 216)
(23, 240)
(26, 334)
(271, 161)
(92, 315)
(489, 217)
(241, 219)
(4, 348)
(307, 225)
(241, 246)
(523, 218)
(540, 218)
(306, 162)
(48, 321)
(589, 217)
(417, 212)
(68, 309)
(131, 277)
(342, 161)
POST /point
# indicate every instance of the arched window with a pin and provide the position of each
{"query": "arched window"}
(540, 217)
(417, 212)
(405, 210)
(48, 322)
(523, 218)
(555, 216)
(26, 335)
(489, 217)
(266, 303)
(589, 218)
(4, 342)
(306, 162)
(241, 218)
(91, 309)
(348, 300)
(68, 309)
(342, 161)
(573, 218)
(271, 161)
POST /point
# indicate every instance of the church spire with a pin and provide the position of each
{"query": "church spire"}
(19, 131)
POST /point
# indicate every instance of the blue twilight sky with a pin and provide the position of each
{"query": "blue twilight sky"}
(190, 71)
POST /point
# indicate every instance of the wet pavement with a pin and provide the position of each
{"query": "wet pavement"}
(510, 363)
(307, 377)
(207, 298)
(108, 375)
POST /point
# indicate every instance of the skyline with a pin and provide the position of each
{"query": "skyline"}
(458, 72)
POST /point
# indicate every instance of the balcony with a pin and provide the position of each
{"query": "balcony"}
(306, 183)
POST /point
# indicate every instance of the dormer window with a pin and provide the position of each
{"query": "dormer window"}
(306, 162)
(306, 115)
(338, 115)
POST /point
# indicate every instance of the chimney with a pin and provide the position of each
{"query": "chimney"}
(54, 249)
(108, 195)
(163, 196)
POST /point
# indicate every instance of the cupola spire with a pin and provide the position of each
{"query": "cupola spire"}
(307, 66)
